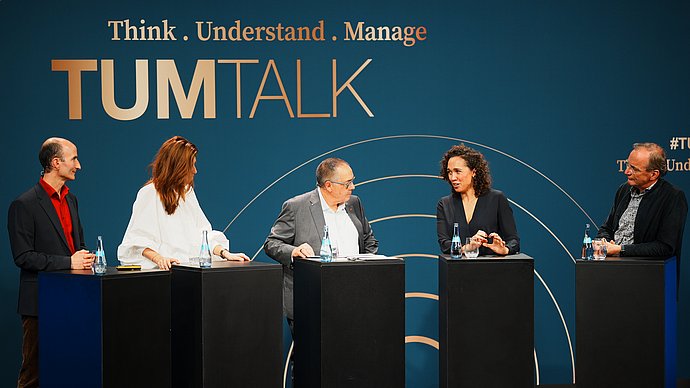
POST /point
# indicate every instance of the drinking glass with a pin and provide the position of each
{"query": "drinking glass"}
(599, 248)
(471, 253)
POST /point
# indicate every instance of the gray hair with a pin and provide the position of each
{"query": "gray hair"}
(326, 170)
(657, 156)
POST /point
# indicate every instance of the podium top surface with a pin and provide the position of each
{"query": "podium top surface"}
(111, 273)
(516, 258)
(615, 260)
(224, 266)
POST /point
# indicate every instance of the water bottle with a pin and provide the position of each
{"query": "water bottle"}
(587, 249)
(326, 252)
(205, 252)
(99, 263)
(455, 245)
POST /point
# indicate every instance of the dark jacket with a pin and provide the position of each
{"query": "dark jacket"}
(38, 241)
(492, 213)
(659, 223)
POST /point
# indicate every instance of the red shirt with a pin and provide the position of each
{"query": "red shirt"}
(62, 209)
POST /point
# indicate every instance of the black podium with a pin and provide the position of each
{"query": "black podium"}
(626, 322)
(486, 322)
(104, 331)
(350, 323)
(227, 325)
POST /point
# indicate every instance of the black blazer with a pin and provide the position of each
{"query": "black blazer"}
(492, 213)
(38, 241)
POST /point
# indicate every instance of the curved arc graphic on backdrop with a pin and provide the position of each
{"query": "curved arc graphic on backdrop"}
(420, 339)
(402, 216)
(545, 227)
(403, 137)
(397, 177)
(536, 365)
(287, 363)
(422, 295)
(424, 255)
(553, 298)
(565, 327)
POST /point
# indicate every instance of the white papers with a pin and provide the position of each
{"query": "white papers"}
(359, 257)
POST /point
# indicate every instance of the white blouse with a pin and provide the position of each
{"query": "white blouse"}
(176, 235)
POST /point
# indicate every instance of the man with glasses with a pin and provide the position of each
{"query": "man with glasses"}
(648, 213)
(298, 231)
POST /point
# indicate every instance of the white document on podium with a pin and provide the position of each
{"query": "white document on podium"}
(359, 257)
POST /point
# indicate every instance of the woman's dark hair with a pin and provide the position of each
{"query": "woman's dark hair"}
(475, 161)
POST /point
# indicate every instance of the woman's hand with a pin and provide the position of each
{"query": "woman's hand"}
(164, 263)
(233, 256)
(476, 241)
(498, 246)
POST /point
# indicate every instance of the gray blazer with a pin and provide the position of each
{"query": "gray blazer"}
(301, 220)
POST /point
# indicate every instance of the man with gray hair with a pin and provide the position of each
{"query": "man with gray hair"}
(298, 231)
(45, 235)
(648, 213)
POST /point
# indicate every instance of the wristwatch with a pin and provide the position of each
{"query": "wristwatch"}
(221, 253)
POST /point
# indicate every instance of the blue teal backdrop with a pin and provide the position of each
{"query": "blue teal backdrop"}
(552, 92)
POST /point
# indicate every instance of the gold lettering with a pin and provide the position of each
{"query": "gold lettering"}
(108, 92)
(247, 33)
(421, 33)
(347, 84)
(74, 67)
(283, 95)
(238, 77)
(299, 97)
(199, 33)
(204, 74)
(116, 24)
(353, 34)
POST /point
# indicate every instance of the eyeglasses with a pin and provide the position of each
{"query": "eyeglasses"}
(347, 184)
(635, 169)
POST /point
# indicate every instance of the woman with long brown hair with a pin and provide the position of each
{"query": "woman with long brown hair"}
(167, 222)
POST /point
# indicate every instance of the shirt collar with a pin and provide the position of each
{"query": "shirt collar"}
(51, 191)
(635, 191)
(324, 205)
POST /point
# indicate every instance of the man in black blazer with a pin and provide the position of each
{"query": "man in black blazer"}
(45, 235)
(648, 213)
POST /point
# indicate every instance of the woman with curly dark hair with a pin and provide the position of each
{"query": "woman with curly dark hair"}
(481, 212)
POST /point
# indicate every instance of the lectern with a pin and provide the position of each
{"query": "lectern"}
(227, 325)
(626, 322)
(350, 323)
(115, 327)
(486, 322)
